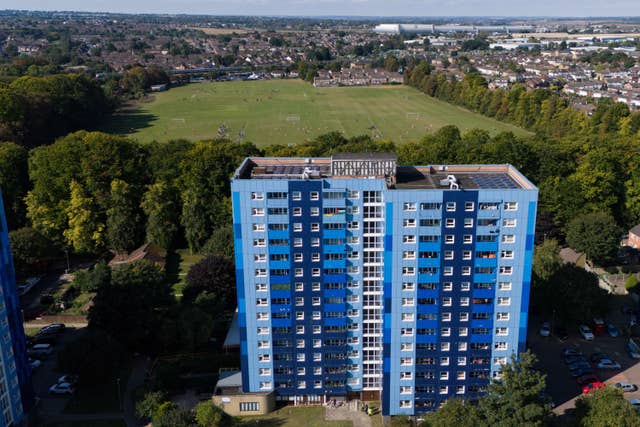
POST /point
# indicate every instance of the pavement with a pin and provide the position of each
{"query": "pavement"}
(136, 379)
(347, 412)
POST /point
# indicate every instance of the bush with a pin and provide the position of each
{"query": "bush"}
(149, 404)
(631, 282)
(92, 280)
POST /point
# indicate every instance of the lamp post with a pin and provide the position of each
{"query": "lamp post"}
(66, 251)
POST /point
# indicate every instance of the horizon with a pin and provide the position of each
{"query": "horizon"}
(368, 9)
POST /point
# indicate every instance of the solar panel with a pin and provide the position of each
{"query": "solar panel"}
(494, 181)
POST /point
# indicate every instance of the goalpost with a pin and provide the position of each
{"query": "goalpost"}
(293, 118)
(413, 116)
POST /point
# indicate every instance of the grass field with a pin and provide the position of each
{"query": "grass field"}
(291, 111)
(301, 416)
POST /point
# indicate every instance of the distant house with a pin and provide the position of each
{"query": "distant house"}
(634, 237)
(148, 251)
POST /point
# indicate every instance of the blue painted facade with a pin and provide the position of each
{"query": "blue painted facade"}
(349, 286)
(16, 392)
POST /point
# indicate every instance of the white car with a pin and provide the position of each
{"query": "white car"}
(608, 364)
(586, 333)
(34, 363)
(545, 329)
(62, 388)
(626, 387)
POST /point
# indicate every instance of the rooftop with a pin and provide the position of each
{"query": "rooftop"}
(382, 165)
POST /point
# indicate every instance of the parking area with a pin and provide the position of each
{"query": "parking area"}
(44, 376)
(564, 388)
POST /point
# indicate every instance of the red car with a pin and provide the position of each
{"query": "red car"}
(592, 386)
(587, 379)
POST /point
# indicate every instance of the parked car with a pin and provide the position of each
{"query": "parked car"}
(597, 357)
(598, 325)
(608, 364)
(612, 330)
(626, 387)
(586, 333)
(40, 350)
(633, 348)
(592, 386)
(571, 352)
(580, 372)
(573, 359)
(44, 339)
(62, 388)
(545, 329)
(52, 329)
(34, 363)
(68, 378)
(579, 364)
(586, 379)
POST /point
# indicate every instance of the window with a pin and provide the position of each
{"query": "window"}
(261, 272)
(466, 270)
(315, 211)
(450, 222)
(462, 346)
(408, 302)
(408, 286)
(447, 286)
(506, 254)
(406, 332)
(504, 286)
(409, 206)
(445, 332)
(297, 227)
(468, 206)
(351, 194)
(265, 358)
(260, 257)
(445, 346)
(500, 360)
(263, 330)
(430, 222)
(315, 226)
(446, 317)
(297, 242)
(278, 195)
(464, 301)
(297, 211)
(430, 206)
(464, 317)
(258, 227)
(462, 360)
(315, 242)
(449, 239)
(468, 223)
(406, 346)
(509, 222)
(463, 331)
(250, 406)
(264, 372)
(451, 206)
(466, 255)
(299, 272)
(444, 376)
(500, 345)
(314, 195)
(506, 269)
(257, 196)
(263, 344)
(261, 287)
(467, 239)
(257, 211)
(409, 222)
(278, 211)
(504, 301)
(408, 271)
(262, 316)
(511, 206)
(408, 255)
(448, 255)
(446, 301)
(296, 195)
(408, 239)
(465, 286)
(407, 317)
(315, 286)
(447, 271)
(444, 361)
(315, 272)
(502, 332)
(508, 238)
(502, 316)
(405, 403)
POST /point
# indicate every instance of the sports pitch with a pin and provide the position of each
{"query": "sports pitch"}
(291, 111)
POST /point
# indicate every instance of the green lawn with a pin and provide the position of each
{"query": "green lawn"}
(90, 423)
(291, 111)
(178, 265)
(301, 416)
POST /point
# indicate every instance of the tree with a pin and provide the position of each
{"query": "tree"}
(14, 182)
(208, 414)
(122, 217)
(31, 251)
(596, 234)
(391, 64)
(160, 205)
(85, 232)
(516, 398)
(546, 259)
(214, 275)
(220, 242)
(132, 305)
(149, 404)
(605, 407)
(454, 412)
(172, 415)
(94, 279)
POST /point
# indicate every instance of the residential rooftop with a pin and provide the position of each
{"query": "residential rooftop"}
(384, 166)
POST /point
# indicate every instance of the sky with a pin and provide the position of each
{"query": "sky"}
(343, 7)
